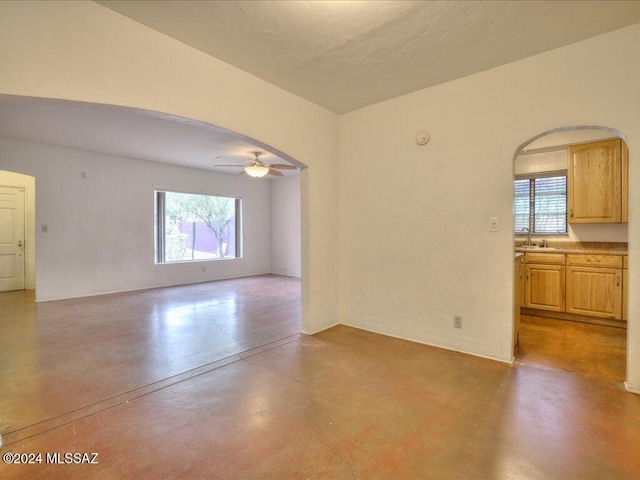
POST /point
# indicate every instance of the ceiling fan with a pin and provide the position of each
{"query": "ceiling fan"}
(258, 169)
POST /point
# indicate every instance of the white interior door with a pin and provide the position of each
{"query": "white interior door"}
(11, 238)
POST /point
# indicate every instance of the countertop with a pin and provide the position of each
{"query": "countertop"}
(588, 248)
(586, 251)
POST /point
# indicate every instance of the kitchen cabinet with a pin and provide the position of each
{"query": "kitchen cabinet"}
(576, 285)
(597, 182)
(625, 183)
(594, 285)
(625, 286)
(517, 298)
(544, 283)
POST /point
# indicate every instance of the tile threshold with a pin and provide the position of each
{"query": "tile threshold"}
(43, 426)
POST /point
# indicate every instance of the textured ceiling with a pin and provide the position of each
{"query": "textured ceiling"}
(344, 55)
(341, 55)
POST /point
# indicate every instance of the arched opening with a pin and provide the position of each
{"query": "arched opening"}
(98, 137)
(97, 182)
(570, 238)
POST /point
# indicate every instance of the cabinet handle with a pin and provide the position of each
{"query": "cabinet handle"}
(571, 213)
(617, 280)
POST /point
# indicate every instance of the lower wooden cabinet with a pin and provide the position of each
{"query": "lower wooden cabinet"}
(625, 287)
(594, 291)
(592, 285)
(544, 287)
(517, 298)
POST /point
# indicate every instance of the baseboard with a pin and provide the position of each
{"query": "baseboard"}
(313, 332)
(632, 388)
(288, 275)
(142, 289)
(451, 349)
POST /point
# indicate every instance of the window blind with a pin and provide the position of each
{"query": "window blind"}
(541, 204)
(522, 204)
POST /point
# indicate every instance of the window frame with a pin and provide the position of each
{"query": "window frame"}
(159, 200)
(531, 177)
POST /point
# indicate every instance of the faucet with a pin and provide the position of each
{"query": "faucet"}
(528, 235)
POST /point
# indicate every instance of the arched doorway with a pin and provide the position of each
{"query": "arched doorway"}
(571, 306)
(89, 160)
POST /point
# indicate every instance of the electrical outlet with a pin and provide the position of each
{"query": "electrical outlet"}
(457, 321)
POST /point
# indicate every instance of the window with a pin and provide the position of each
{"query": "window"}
(196, 227)
(541, 203)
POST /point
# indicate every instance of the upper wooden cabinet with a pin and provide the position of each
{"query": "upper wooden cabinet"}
(597, 182)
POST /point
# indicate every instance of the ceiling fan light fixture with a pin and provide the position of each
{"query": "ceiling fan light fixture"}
(256, 171)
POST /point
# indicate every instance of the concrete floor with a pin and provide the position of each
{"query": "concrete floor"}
(593, 351)
(212, 381)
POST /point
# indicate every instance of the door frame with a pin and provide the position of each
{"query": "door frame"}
(28, 183)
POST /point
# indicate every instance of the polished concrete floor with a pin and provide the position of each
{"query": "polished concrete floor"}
(212, 381)
(593, 351)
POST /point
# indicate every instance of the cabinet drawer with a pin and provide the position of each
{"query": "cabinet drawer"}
(609, 261)
(544, 258)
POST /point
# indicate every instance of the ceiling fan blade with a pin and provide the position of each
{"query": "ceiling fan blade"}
(282, 166)
(236, 166)
(275, 173)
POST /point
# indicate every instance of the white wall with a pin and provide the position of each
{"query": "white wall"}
(541, 162)
(82, 51)
(415, 246)
(285, 226)
(100, 235)
(10, 179)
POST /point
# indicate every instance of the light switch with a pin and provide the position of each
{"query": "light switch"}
(494, 224)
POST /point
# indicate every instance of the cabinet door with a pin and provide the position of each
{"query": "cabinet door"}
(595, 182)
(544, 287)
(596, 292)
(625, 183)
(625, 293)
(517, 299)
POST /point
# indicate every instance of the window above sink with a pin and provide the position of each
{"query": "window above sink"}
(540, 205)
